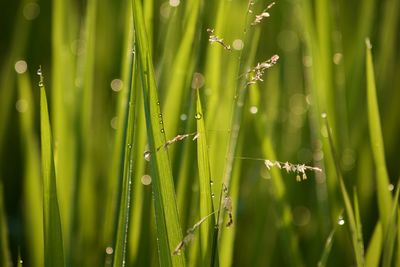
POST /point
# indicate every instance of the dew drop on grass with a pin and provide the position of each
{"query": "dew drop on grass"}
(109, 250)
(129, 146)
(183, 117)
(212, 195)
(147, 155)
(391, 187)
(40, 84)
(323, 115)
(198, 116)
(162, 130)
(211, 182)
(341, 221)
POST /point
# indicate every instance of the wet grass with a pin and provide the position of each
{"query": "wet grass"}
(195, 132)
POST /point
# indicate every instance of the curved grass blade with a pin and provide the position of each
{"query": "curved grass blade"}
(351, 216)
(167, 221)
(377, 146)
(328, 246)
(53, 241)
(205, 182)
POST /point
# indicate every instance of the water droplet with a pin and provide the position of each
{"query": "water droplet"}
(323, 115)
(146, 179)
(158, 102)
(147, 155)
(212, 195)
(41, 84)
(253, 110)
(109, 250)
(129, 146)
(162, 130)
(21, 261)
(391, 187)
(211, 182)
(341, 221)
(198, 116)
(183, 117)
(160, 115)
(160, 121)
(39, 72)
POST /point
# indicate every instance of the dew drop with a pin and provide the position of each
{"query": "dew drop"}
(39, 72)
(160, 121)
(323, 115)
(109, 250)
(198, 116)
(40, 84)
(341, 221)
(129, 146)
(147, 155)
(212, 195)
(391, 187)
(162, 130)
(160, 115)
(211, 182)
(158, 102)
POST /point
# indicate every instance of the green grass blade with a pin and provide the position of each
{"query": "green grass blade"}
(5, 257)
(390, 235)
(167, 221)
(124, 203)
(19, 260)
(351, 217)
(33, 201)
(373, 254)
(375, 132)
(179, 72)
(53, 241)
(206, 205)
(328, 247)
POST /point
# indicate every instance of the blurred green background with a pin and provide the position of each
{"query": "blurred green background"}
(84, 47)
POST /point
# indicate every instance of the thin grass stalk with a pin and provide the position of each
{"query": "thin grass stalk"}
(121, 235)
(390, 235)
(328, 247)
(353, 227)
(205, 183)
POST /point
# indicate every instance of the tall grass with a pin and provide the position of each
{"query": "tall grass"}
(177, 136)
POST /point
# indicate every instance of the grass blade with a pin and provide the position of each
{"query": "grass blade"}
(125, 190)
(206, 206)
(53, 241)
(377, 146)
(328, 246)
(390, 236)
(33, 201)
(375, 247)
(354, 227)
(5, 258)
(167, 221)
